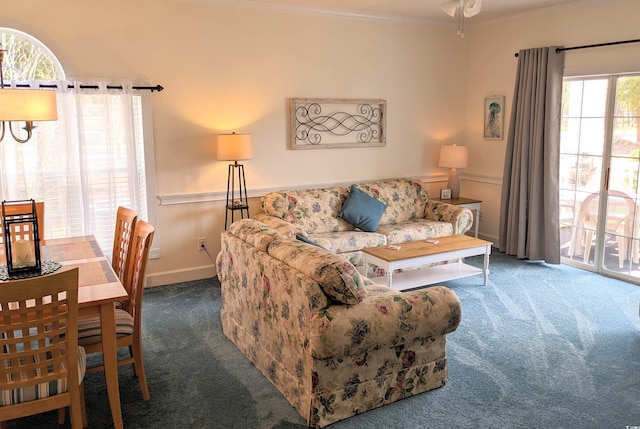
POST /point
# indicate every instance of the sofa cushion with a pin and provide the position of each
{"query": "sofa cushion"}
(348, 241)
(90, 330)
(362, 210)
(418, 229)
(255, 233)
(42, 390)
(337, 277)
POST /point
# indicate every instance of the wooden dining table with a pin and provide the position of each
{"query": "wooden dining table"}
(99, 288)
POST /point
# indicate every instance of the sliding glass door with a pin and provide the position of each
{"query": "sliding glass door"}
(599, 165)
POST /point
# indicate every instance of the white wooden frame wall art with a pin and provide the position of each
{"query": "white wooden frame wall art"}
(324, 123)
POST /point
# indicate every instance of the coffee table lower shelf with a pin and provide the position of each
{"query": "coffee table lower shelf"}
(428, 276)
(415, 260)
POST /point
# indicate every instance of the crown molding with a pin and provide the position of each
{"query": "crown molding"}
(542, 11)
(480, 20)
(319, 11)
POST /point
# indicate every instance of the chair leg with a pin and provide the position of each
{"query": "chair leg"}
(4, 425)
(139, 370)
(588, 239)
(622, 251)
(76, 407)
(85, 421)
(62, 415)
(574, 239)
(132, 354)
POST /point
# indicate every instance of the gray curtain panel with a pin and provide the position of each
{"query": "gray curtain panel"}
(529, 225)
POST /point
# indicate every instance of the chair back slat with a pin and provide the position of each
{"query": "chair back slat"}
(125, 224)
(137, 266)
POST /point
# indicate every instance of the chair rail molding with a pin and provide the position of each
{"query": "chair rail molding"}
(205, 197)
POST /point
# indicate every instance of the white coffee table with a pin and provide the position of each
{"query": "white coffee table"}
(418, 254)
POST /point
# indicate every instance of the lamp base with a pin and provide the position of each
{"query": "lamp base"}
(454, 184)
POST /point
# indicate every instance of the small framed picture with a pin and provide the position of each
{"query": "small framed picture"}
(445, 194)
(493, 117)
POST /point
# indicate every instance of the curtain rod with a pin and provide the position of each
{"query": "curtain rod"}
(147, 88)
(597, 45)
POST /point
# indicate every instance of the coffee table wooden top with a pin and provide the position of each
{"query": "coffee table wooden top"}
(419, 248)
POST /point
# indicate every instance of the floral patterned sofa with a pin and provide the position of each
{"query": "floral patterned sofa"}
(330, 340)
(409, 215)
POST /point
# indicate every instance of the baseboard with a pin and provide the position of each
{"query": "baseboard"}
(177, 276)
(490, 238)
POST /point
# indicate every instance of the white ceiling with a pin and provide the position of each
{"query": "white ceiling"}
(427, 10)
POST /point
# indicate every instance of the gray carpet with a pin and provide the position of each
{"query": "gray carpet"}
(540, 347)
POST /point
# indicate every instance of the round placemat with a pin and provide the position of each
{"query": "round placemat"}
(48, 267)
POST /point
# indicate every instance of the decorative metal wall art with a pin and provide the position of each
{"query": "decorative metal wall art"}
(324, 123)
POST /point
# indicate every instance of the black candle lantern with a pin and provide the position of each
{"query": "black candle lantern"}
(21, 238)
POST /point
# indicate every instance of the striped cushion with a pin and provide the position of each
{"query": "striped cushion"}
(43, 390)
(90, 332)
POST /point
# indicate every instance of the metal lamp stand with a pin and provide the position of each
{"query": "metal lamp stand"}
(233, 204)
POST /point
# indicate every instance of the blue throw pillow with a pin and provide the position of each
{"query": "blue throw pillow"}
(362, 210)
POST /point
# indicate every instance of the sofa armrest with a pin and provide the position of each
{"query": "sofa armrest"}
(385, 318)
(282, 226)
(461, 218)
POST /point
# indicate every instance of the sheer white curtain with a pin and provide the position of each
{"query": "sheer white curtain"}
(84, 165)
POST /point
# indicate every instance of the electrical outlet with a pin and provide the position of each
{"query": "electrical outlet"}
(202, 243)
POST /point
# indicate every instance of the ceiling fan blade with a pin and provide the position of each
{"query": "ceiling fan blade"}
(449, 7)
(472, 8)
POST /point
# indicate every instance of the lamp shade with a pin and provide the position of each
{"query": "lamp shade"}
(452, 156)
(28, 105)
(234, 147)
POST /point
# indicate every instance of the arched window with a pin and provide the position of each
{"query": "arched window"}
(97, 156)
(27, 58)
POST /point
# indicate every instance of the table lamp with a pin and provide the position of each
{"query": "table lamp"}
(454, 157)
(235, 147)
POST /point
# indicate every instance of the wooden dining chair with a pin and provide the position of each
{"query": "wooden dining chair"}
(126, 219)
(41, 365)
(129, 317)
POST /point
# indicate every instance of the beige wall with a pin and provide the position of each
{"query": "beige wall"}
(233, 69)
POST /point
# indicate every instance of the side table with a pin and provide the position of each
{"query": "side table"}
(468, 203)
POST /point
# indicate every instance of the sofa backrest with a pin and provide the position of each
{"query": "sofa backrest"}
(248, 274)
(338, 279)
(314, 210)
(406, 199)
(255, 233)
